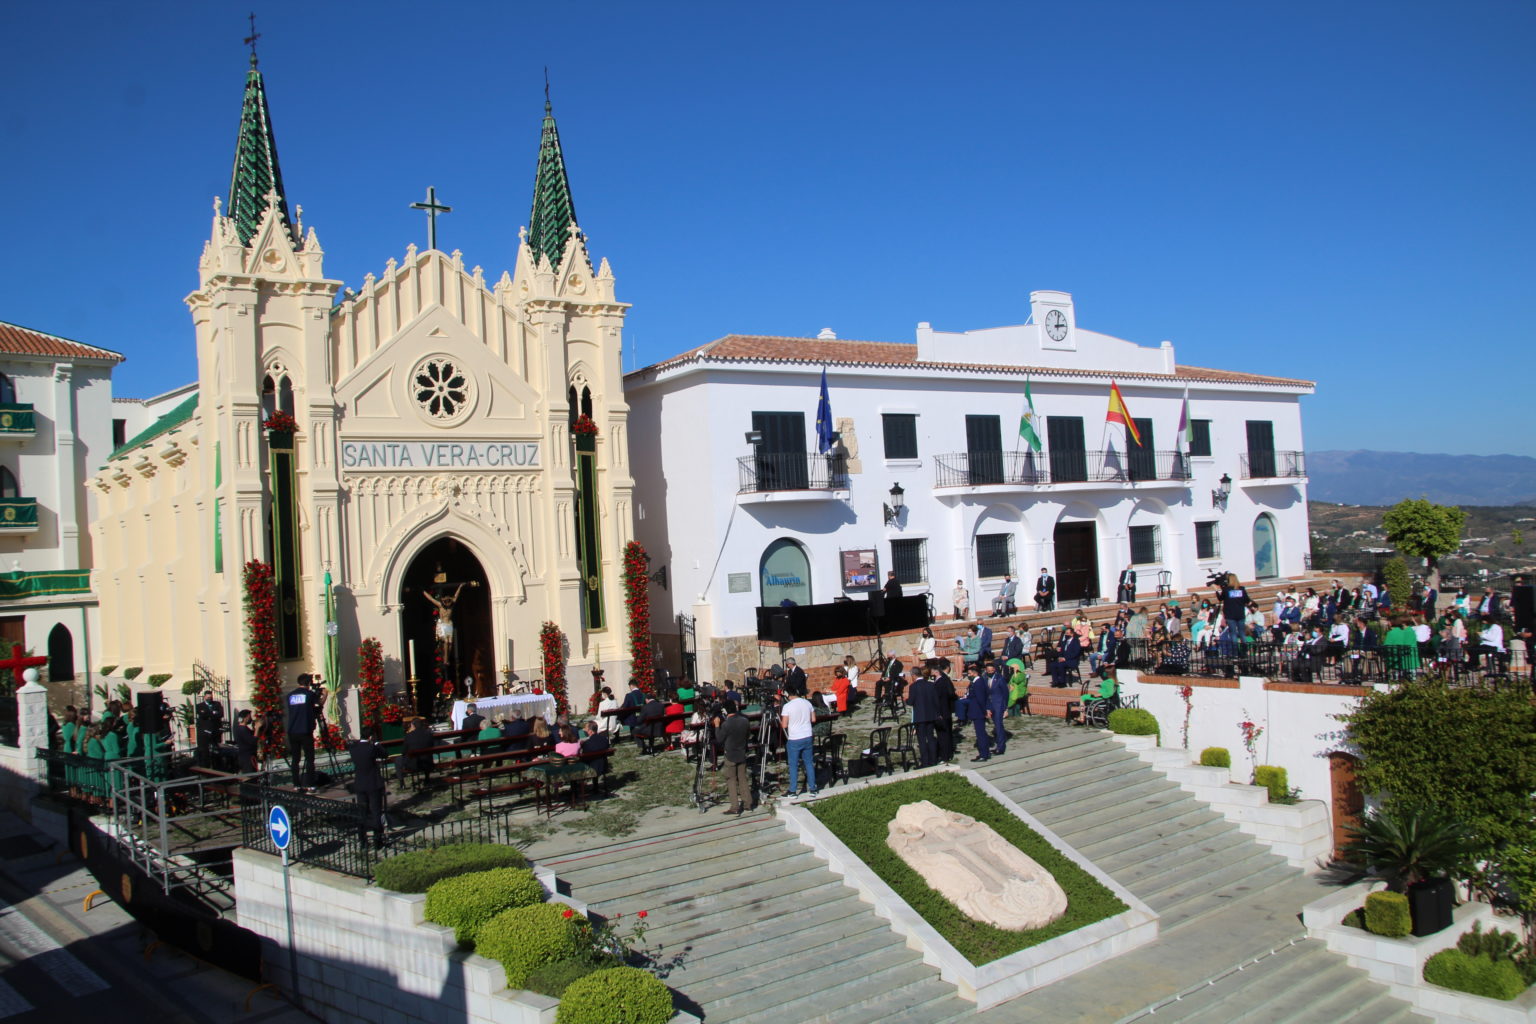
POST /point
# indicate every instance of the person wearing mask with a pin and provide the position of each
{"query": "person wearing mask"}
(302, 713)
(367, 755)
(735, 731)
(210, 724)
(796, 719)
(923, 699)
(245, 743)
(413, 756)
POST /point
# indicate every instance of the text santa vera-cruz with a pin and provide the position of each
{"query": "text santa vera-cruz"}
(439, 455)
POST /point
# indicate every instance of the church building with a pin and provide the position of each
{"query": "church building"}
(430, 445)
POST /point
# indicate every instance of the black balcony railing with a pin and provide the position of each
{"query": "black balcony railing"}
(1057, 466)
(1267, 465)
(791, 471)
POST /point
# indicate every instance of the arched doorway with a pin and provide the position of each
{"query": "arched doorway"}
(443, 569)
(785, 574)
(1266, 561)
(61, 654)
(1347, 802)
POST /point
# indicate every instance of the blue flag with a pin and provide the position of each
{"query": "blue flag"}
(824, 418)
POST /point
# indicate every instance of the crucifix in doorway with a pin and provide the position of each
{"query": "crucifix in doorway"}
(445, 597)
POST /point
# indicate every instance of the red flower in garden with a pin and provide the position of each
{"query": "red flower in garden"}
(642, 914)
(569, 913)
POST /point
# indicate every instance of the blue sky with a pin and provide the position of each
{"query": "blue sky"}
(1332, 191)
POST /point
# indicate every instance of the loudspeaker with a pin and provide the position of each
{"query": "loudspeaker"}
(1430, 904)
(781, 633)
(877, 603)
(151, 712)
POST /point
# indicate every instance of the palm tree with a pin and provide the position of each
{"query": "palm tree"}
(1407, 844)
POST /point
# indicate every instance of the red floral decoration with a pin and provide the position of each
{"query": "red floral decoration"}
(394, 714)
(593, 701)
(584, 426)
(370, 680)
(552, 645)
(282, 421)
(261, 644)
(638, 600)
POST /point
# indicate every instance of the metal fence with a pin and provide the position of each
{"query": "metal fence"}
(1351, 665)
(791, 471)
(1262, 465)
(1057, 466)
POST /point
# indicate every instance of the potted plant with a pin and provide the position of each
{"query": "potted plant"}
(1414, 849)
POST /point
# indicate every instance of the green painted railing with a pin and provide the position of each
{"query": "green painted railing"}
(18, 514)
(17, 418)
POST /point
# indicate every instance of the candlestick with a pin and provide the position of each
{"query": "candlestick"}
(410, 667)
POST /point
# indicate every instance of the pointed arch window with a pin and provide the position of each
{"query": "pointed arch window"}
(7, 388)
(586, 402)
(572, 409)
(9, 488)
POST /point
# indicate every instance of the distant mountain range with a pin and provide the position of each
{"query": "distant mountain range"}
(1385, 478)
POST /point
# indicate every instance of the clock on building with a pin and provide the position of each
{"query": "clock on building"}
(1056, 324)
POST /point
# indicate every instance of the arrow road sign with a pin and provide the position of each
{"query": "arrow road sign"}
(279, 827)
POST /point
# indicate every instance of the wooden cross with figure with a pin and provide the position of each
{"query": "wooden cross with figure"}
(433, 208)
(18, 662)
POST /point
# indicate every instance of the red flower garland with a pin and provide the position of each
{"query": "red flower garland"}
(584, 426)
(552, 644)
(638, 600)
(261, 643)
(394, 714)
(370, 680)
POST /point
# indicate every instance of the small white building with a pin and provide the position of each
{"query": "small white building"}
(746, 522)
(56, 427)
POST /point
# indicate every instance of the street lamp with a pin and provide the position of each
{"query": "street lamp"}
(1220, 495)
(893, 510)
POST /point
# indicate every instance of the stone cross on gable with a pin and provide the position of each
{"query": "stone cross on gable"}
(433, 208)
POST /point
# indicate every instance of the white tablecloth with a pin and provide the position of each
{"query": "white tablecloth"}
(528, 704)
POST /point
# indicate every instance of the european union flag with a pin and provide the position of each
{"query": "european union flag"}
(824, 418)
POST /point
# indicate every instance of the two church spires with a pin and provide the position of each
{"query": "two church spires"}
(257, 179)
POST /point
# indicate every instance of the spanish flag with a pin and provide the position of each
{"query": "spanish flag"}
(1118, 413)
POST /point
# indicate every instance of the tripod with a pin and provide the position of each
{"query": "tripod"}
(706, 743)
(765, 727)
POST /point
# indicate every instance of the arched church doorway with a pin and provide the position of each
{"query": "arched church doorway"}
(445, 581)
(61, 654)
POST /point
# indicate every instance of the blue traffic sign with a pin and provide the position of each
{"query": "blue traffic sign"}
(280, 829)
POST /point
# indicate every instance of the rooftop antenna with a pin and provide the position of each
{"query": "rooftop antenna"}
(250, 40)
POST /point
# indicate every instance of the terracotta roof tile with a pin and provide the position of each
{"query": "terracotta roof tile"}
(24, 341)
(748, 348)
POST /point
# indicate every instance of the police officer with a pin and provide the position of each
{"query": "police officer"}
(303, 711)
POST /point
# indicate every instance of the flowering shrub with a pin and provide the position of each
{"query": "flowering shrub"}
(638, 601)
(552, 645)
(261, 644)
(1251, 733)
(1187, 693)
(370, 681)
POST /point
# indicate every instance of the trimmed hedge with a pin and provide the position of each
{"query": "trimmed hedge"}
(525, 938)
(133, 673)
(465, 902)
(618, 995)
(553, 979)
(1273, 778)
(1134, 722)
(417, 870)
(861, 819)
(1477, 975)
(1216, 757)
(1386, 913)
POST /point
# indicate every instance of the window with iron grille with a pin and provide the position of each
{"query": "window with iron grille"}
(1207, 541)
(994, 555)
(1200, 442)
(909, 558)
(1144, 545)
(900, 435)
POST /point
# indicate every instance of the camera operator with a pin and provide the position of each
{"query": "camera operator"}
(735, 731)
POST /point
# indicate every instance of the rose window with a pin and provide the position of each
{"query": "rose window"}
(442, 389)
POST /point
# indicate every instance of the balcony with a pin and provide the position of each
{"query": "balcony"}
(791, 475)
(1028, 469)
(18, 515)
(17, 421)
(1273, 465)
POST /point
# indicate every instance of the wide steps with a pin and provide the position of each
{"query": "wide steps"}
(794, 992)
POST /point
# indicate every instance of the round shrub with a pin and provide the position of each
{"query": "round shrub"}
(1386, 913)
(553, 979)
(1216, 757)
(526, 937)
(465, 902)
(1133, 722)
(619, 995)
(1273, 778)
(417, 870)
(1478, 975)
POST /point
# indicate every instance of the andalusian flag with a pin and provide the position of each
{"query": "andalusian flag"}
(1027, 421)
(1118, 413)
(1186, 425)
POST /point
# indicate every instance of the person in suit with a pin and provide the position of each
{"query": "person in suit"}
(1427, 603)
(474, 721)
(892, 587)
(1489, 606)
(923, 699)
(997, 705)
(210, 725)
(303, 713)
(735, 734)
(418, 738)
(1045, 592)
(652, 725)
(1013, 647)
(1522, 605)
(368, 781)
(1003, 603)
(245, 743)
(596, 742)
(944, 692)
(1067, 659)
(518, 731)
(629, 711)
(984, 651)
(794, 678)
(1126, 591)
(976, 714)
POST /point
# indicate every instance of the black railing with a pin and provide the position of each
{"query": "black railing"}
(791, 471)
(1268, 465)
(1058, 466)
(1329, 664)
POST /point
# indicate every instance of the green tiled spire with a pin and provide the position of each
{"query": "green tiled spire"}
(256, 172)
(553, 211)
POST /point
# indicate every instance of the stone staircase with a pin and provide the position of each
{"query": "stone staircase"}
(763, 931)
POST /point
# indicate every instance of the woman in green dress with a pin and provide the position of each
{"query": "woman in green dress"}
(1018, 684)
(93, 776)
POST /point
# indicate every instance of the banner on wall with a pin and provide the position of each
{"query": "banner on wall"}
(860, 569)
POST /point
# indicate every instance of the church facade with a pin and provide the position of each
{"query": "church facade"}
(434, 446)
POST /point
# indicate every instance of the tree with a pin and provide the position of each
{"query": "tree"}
(1466, 751)
(1404, 845)
(1425, 530)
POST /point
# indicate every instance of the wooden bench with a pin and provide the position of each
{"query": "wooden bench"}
(520, 784)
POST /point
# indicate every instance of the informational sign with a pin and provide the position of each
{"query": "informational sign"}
(738, 583)
(419, 455)
(860, 569)
(279, 827)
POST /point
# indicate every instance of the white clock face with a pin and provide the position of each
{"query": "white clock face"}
(1056, 324)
